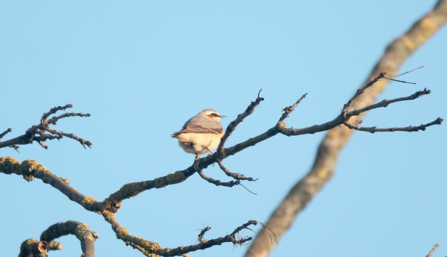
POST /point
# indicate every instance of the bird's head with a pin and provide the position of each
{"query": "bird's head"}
(212, 115)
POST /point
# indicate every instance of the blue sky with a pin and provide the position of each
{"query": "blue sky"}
(142, 68)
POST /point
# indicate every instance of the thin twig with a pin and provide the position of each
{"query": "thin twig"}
(237, 176)
(54, 110)
(408, 71)
(82, 141)
(290, 109)
(218, 182)
(422, 127)
(6, 132)
(240, 118)
(385, 103)
(432, 250)
(362, 89)
(55, 119)
(202, 234)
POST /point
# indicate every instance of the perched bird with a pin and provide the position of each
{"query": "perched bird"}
(201, 134)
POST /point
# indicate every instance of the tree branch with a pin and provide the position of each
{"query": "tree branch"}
(336, 138)
(37, 132)
(80, 230)
(240, 118)
(218, 182)
(432, 250)
(34, 247)
(422, 127)
(4, 133)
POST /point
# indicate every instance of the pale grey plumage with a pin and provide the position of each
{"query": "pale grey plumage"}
(201, 134)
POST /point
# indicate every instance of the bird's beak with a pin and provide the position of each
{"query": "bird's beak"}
(222, 116)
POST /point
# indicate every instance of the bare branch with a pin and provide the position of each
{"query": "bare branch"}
(231, 238)
(32, 133)
(385, 103)
(31, 169)
(236, 176)
(361, 90)
(71, 135)
(54, 110)
(80, 230)
(6, 132)
(218, 182)
(55, 119)
(432, 250)
(323, 168)
(408, 72)
(422, 127)
(33, 248)
(202, 234)
(290, 109)
(240, 118)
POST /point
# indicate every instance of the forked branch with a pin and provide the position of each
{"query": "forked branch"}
(38, 134)
(30, 169)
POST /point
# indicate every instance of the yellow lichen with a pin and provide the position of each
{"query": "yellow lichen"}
(122, 233)
(282, 124)
(32, 166)
(322, 174)
(87, 201)
(409, 43)
(32, 241)
(65, 180)
(9, 165)
(109, 216)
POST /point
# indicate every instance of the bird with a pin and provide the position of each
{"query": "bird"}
(201, 134)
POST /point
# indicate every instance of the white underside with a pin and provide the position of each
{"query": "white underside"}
(198, 143)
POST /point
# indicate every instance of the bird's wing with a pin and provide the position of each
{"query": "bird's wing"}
(198, 129)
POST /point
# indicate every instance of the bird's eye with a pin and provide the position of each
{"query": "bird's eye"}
(214, 115)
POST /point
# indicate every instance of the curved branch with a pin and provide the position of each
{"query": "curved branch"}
(80, 230)
(323, 168)
(36, 248)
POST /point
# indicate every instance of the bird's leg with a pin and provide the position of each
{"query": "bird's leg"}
(197, 157)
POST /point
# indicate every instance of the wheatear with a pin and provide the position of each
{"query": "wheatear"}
(201, 134)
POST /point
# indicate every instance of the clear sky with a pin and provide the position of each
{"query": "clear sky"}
(142, 68)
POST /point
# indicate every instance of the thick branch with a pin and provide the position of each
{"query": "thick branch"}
(80, 230)
(323, 168)
(31, 169)
(35, 248)
(113, 202)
